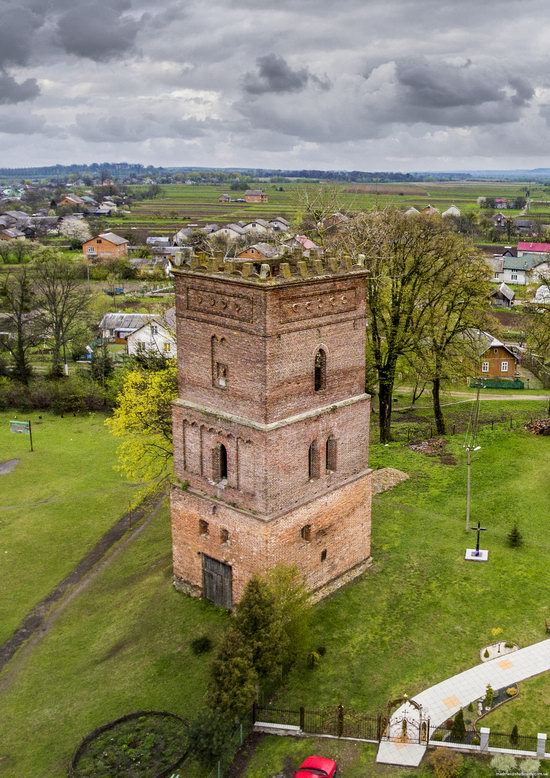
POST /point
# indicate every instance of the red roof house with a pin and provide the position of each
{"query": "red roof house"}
(533, 248)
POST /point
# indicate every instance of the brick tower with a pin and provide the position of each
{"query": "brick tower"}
(271, 424)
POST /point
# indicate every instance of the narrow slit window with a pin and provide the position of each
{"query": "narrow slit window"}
(219, 462)
(305, 532)
(320, 370)
(203, 527)
(323, 555)
(313, 460)
(331, 454)
(224, 535)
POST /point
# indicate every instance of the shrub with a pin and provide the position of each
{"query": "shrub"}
(514, 735)
(511, 691)
(475, 740)
(321, 650)
(313, 659)
(470, 706)
(489, 696)
(201, 645)
(515, 538)
(209, 735)
(529, 767)
(502, 763)
(446, 764)
(486, 653)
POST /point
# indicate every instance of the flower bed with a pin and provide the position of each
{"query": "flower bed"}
(146, 744)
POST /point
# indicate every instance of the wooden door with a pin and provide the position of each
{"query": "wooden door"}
(217, 582)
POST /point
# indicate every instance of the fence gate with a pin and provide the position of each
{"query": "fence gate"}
(408, 724)
(217, 582)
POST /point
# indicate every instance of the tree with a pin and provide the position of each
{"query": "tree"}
(463, 285)
(76, 230)
(209, 735)
(406, 257)
(18, 305)
(102, 366)
(63, 300)
(143, 419)
(446, 764)
(234, 679)
(458, 730)
(489, 696)
(515, 538)
(514, 735)
(292, 608)
(259, 629)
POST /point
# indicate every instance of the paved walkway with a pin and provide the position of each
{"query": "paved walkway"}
(443, 700)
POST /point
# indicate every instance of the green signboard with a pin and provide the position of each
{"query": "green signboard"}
(20, 426)
(24, 427)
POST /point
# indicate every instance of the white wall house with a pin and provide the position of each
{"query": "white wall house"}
(524, 270)
(153, 336)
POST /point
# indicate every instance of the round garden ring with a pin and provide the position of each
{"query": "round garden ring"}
(145, 744)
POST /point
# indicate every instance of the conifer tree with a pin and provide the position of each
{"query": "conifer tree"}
(234, 680)
(458, 730)
(259, 630)
(515, 538)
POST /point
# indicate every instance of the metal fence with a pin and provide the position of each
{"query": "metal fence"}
(508, 741)
(337, 721)
(445, 735)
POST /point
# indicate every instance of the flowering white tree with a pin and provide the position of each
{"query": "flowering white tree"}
(76, 230)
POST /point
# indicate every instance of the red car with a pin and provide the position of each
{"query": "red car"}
(317, 767)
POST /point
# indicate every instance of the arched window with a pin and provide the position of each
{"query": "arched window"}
(219, 462)
(313, 460)
(331, 453)
(320, 370)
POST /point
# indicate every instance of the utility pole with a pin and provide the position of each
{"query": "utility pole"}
(471, 446)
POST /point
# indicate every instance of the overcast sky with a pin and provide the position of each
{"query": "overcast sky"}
(353, 84)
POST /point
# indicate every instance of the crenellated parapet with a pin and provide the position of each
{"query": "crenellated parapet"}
(286, 268)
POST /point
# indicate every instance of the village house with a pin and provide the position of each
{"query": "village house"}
(499, 220)
(158, 336)
(304, 243)
(255, 196)
(259, 252)
(11, 233)
(503, 296)
(525, 226)
(71, 201)
(542, 295)
(107, 244)
(527, 249)
(526, 269)
(279, 224)
(451, 211)
(496, 359)
(261, 226)
(229, 233)
(429, 210)
(224, 198)
(115, 327)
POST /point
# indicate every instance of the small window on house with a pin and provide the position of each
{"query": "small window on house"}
(224, 535)
(320, 370)
(154, 329)
(484, 367)
(514, 276)
(167, 347)
(331, 449)
(504, 367)
(305, 532)
(219, 463)
(99, 240)
(323, 555)
(313, 460)
(203, 527)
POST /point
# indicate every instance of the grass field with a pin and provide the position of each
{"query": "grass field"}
(54, 505)
(530, 710)
(122, 645)
(178, 204)
(419, 615)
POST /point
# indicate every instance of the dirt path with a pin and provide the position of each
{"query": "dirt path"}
(40, 619)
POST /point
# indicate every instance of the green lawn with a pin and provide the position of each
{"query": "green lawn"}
(419, 615)
(122, 645)
(422, 613)
(530, 710)
(54, 506)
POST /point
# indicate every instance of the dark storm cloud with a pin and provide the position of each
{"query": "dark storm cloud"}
(13, 92)
(239, 81)
(98, 31)
(274, 74)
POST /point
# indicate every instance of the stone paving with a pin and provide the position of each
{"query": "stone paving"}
(443, 700)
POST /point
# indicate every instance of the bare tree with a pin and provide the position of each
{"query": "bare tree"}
(20, 320)
(63, 301)
(407, 258)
